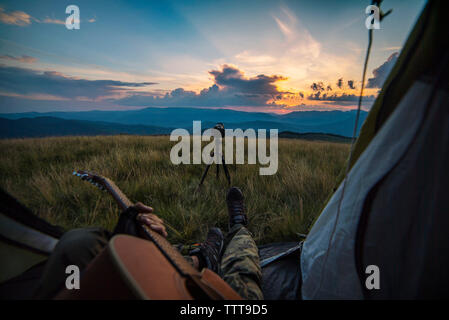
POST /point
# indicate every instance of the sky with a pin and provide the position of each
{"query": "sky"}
(256, 56)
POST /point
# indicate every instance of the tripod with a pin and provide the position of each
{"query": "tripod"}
(225, 169)
(220, 127)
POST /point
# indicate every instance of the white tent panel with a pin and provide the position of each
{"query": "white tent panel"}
(328, 257)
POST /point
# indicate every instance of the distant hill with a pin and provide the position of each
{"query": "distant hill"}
(315, 136)
(333, 122)
(51, 126)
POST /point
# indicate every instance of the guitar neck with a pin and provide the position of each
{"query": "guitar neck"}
(121, 199)
(176, 259)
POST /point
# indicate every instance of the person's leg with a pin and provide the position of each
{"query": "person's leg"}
(208, 253)
(76, 247)
(240, 266)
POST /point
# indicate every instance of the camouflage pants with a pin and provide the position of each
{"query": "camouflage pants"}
(239, 265)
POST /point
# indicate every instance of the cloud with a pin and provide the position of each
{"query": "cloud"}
(351, 84)
(22, 19)
(232, 79)
(231, 88)
(340, 83)
(23, 58)
(252, 59)
(325, 101)
(317, 86)
(292, 51)
(48, 20)
(338, 97)
(18, 18)
(321, 92)
(209, 97)
(20, 81)
(283, 27)
(299, 39)
(381, 73)
(320, 86)
(52, 21)
(395, 48)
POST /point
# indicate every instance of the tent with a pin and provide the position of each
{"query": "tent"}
(394, 213)
(391, 210)
(26, 241)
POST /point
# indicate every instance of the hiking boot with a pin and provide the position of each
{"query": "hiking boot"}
(209, 252)
(236, 207)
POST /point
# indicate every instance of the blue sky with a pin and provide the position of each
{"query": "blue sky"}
(246, 55)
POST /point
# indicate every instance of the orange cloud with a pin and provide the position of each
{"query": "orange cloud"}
(22, 19)
(53, 21)
(23, 58)
(18, 18)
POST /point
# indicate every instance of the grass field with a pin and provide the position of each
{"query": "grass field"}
(38, 173)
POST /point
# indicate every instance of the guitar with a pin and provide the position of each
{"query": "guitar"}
(148, 267)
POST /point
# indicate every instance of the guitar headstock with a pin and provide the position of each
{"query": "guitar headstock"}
(105, 184)
(94, 178)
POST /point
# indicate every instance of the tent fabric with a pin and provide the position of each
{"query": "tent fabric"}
(25, 239)
(427, 42)
(272, 252)
(23, 286)
(387, 168)
(16, 260)
(13, 209)
(281, 272)
(405, 227)
(26, 236)
(328, 256)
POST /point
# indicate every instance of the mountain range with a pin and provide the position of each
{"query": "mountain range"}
(164, 120)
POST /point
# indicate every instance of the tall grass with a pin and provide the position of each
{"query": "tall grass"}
(38, 173)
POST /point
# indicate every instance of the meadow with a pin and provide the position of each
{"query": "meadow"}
(38, 172)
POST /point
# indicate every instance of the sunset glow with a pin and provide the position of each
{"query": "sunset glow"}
(270, 57)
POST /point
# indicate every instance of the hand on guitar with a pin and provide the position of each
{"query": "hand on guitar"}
(151, 220)
(145, 216)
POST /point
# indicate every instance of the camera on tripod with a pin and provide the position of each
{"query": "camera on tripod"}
(220, 127)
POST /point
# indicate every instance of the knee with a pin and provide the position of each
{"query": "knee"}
(81, 245)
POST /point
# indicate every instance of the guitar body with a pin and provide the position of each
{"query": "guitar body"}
(134, 268)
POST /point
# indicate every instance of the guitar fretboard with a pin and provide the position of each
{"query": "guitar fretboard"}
(170, 252)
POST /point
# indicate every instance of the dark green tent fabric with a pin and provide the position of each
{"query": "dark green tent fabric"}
(424, 48)
(25, 239)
